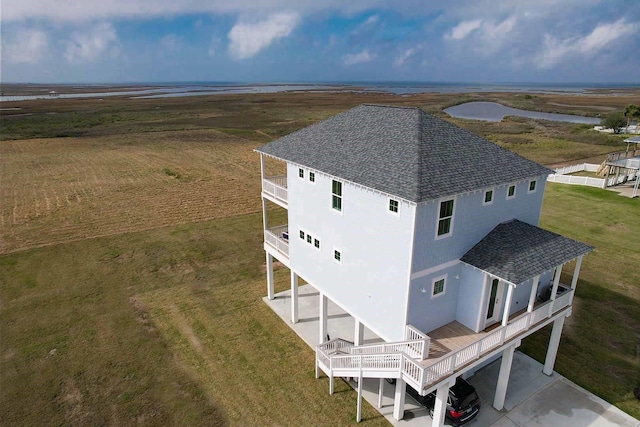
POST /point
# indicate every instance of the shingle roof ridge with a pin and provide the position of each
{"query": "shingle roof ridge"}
(404, 107)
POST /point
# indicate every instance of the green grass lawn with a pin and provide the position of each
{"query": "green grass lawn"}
(163, 327)
(600, 345)
(168, 327)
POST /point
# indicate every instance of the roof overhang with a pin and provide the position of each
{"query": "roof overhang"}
(515, 251)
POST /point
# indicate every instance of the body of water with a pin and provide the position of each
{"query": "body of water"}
(165, 90)
(494, 112)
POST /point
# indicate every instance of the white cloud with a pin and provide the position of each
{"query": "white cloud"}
(555, 50)
(247, 39)
(463, 29)
(92, 44)
(407, 54)
(26, 46)
(358, 58)
(485, 38)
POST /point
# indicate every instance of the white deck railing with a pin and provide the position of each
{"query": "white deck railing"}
(413, 349)
(398, 359)
(276, 187)
(278, 238)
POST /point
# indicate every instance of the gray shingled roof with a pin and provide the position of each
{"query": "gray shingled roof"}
(517, 251)
(403, 152)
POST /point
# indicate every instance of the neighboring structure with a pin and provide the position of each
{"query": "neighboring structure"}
(427, 235)
(623, 166)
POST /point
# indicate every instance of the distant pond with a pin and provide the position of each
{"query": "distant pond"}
(494, 112)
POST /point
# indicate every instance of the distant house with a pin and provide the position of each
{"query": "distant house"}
(426, 234)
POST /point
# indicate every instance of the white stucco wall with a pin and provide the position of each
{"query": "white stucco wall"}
(372, 279)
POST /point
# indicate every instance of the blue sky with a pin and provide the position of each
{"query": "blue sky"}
(89, 41)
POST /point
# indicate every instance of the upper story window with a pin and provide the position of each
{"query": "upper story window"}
(309, 238)
(438, 286)
(511, 192)
(336, 198)
(488, 197)
(301, 172)
(532, 185)
(302, 234)
(393, 205)
(312, 177)
(316, 243)
(337, 255)
(445, 218)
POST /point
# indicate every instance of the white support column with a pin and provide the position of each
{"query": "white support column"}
(503, 377)
(534, 291)
(554, 288)
(294, 297)
(440, 405)
(261, 166)
(574, 280)
(270, 291)
(264, 214)
(359, 415)
(576, 272)
(323, 318)
(398, 400)
(380, 392)
(554, 342)
(358, 333)
(507, 305)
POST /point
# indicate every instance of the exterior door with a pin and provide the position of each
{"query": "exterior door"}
(494, 312)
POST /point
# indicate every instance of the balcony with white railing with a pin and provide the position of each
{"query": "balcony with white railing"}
(424, 360)
(278, 239)
(275, 189)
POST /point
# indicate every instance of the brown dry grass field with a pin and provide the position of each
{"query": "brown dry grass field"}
(131, 268)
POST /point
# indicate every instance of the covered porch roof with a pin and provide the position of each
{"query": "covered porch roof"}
(516, 251)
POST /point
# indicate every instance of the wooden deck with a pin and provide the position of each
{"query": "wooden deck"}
(451, 337)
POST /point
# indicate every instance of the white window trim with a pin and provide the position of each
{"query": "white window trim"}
(529, 191)
(341, 211)
(305, 235)
(314, 177)
(301, 169)
(484, 196)
(389, 199)
(314, 243)
(444, 287)
(333, 255)
(515, 191)
(453, 214)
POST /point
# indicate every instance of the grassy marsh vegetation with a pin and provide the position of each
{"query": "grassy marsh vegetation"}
(131, 296)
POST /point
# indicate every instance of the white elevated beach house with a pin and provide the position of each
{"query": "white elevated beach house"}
(427, 235)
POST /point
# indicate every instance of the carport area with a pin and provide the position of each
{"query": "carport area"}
(533, 398)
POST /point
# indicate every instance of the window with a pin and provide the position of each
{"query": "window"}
(309, 238)
(337, 256)
(532, 186)
(511, 192)
(301, 172)
(336, 191)
(438, 286)
(316, 243)
(393, 205)
(488, 197)
(312, 177)
(445, 216)
(302, 234)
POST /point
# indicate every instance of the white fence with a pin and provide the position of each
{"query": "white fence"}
(561, 176)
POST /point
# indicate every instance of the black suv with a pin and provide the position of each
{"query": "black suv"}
(463, 403)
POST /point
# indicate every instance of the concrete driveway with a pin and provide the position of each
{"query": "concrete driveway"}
(533, 398)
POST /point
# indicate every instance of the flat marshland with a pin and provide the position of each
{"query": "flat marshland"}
(132, 269)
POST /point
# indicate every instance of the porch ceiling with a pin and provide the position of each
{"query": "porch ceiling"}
(516, 251)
